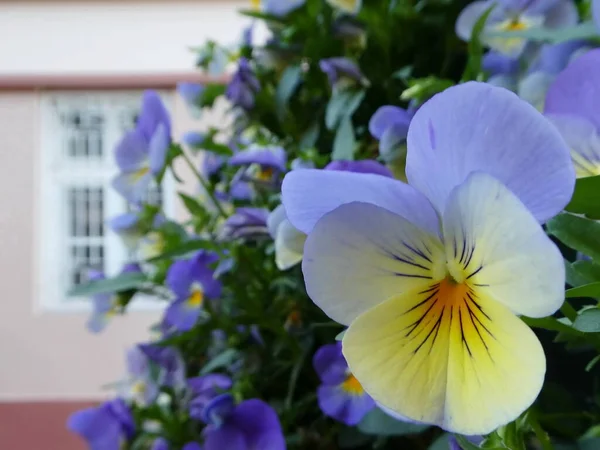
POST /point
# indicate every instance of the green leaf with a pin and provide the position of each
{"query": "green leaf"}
(592, 363)
(441, 443)
(290, 79)
(379, 423)
(122, 282)
(211, 93)
(589, 444)
(578, 233)
(587, 271)
(585, 199)
(193, 205)
(185, 248)
(549, 323)
(476, 49)
(260, 15)
(214, 147)
(344, 143)
(555, 36)
(588, 321)
(342, 105)
(223, 359)
(587, 290)
(310, 136)
(352, 438)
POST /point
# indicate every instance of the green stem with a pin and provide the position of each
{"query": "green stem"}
(568, 311)
(539, 432)
(204, 184)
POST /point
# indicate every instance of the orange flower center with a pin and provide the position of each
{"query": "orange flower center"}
(352, 386)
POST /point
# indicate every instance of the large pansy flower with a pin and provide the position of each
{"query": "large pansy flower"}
(514, 15)
(141, 154)
(572, 104)
(431, 277)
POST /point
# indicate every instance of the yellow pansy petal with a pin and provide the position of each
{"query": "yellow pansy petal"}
(447, 356)
(493, 242)
(359, 255)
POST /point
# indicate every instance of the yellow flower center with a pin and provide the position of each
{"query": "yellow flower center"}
(265, 174)
(196, 298)
(352, 386)
(138, 174)
(516, 25)
(255, 4)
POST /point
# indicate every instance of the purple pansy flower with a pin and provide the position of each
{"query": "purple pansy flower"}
(408, 267)
(340, 395)
(515, 15)
(572, 105)
(104, 427)
(106, 305)
(141, 388)
(362, 166)
(245, 222)
(281, 7)
(263, 163)
(170, 362)
(204, 389)
(390, 124)
(192, 446)
(127, 227)
(342, 72)
(243, 86)
(192, 281)
(141, 154)
(250, 425)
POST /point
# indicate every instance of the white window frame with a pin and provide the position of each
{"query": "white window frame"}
(55, 176)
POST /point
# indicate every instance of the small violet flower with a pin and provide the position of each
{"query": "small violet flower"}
(192, 281)
(243, 86)
(431, 276)
(342, 72)
(263, 164)
(127, 227)
(141, 154)
(204, 389)
(572, 106)
(514, 15)
(160, 444)
(169, 362)
(141, 388)
(390, 124)
(249, 425)
(105, 427)
(340, 395)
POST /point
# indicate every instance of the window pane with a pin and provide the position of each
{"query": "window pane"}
(83, 131)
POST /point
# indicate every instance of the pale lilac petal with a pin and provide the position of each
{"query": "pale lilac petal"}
(260, 425)
(309, 194)
(563, 14)
(478, 127)
(387, 116)
(362, 166)
(391, 141)
(131, 152)
(553, 58)
(495, 63)
(209, 384)
(159, 146)
(124, 222)
(269, 156)
(281, 7)
(152, 114)
(132, 186)
(330, 364)
(98, 321)
(137, 362)
(576, 90)
(342, 406)
(97, 426)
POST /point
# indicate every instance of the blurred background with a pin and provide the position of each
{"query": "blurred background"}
(71, 77)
